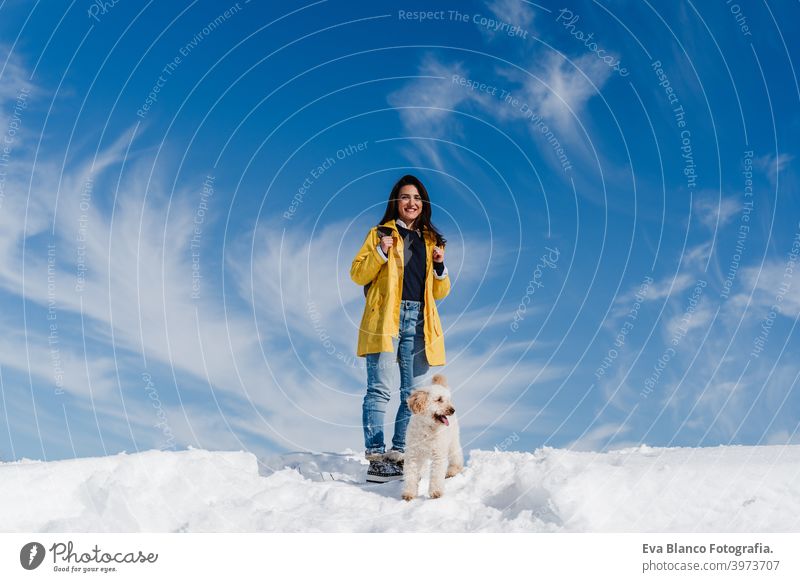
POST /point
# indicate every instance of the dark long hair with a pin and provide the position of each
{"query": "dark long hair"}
(423, 221)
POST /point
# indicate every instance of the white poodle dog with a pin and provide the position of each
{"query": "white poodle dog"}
(432, 434)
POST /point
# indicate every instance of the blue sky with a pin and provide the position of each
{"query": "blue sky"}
(183, 187)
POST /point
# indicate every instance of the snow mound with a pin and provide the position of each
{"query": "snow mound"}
(727, 489)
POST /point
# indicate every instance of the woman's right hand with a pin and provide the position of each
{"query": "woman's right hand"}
(386, 243)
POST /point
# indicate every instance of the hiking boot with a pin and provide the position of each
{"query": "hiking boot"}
(395, 456)
(383, 472)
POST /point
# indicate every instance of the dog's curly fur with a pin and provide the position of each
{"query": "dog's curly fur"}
(432, 434)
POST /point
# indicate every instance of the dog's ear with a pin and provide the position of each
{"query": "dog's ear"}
(439, 379)
(418, 401)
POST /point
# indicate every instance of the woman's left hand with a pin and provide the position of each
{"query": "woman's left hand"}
(438, 255)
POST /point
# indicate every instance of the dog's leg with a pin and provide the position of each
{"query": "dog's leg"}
(412, 471)
(455, 456)
(438, 471)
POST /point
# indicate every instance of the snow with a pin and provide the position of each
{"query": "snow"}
(728, 488)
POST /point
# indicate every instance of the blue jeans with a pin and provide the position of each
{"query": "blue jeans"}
(410, 355)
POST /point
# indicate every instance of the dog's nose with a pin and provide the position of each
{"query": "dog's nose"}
(451, 410)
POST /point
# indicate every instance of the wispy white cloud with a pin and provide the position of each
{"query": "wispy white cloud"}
(426, 106)
(773, 164)
(494, 387)
(478, 320)
(670, 286)
(773, 283)
(513, 13)
(15, 78)
(784, 437)
(563, 88)
(59, 366)
(136, 298)
(712, 385)
(598, 438)
(715, 212)
(696, 257)
(690, 318)
(555, 92)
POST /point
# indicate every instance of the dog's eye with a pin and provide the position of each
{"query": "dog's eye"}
(439, 399)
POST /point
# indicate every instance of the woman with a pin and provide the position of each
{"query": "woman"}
(401, 264)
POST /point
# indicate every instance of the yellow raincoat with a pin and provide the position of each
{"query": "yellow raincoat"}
(381, 319)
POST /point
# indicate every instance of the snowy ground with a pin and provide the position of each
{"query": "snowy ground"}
(726, 489)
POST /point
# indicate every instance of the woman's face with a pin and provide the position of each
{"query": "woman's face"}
(409, 204)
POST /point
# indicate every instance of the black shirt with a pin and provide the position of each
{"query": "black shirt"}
(414, 254)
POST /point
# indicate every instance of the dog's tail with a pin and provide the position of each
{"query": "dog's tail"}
(439, 379)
